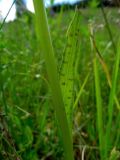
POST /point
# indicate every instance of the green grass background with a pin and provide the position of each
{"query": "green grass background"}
(29, 130)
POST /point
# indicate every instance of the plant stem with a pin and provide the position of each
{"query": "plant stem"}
(48, 54)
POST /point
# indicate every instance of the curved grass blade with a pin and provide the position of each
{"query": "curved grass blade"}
(105, 68)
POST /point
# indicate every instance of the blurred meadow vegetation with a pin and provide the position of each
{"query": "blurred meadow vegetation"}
(28, 127)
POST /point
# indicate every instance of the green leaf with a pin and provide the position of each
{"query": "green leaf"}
(68, 64)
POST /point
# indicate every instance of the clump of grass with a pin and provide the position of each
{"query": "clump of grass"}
(111, 100)
(29, 109)
(105, 134)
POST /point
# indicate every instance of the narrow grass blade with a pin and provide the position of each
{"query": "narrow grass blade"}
(99, 109)
(98, 99)
(48, 53)
(81, 91)
(108, 29)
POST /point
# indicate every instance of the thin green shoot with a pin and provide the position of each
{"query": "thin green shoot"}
(98, 98)
(81, 91)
